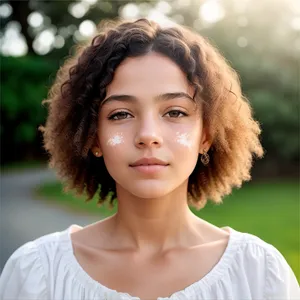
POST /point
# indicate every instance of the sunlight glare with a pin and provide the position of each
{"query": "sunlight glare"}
(211, 11)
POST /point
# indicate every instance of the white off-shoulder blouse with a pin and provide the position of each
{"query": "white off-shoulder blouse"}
(46, 268)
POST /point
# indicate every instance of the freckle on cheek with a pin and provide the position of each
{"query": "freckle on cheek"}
(115, 140)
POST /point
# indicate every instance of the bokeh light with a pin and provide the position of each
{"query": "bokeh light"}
(35, 19)
(78, 9)
(5, 10)
(59, 42)
(211, 11)
(242, 42)
(129, 11)
(44, 41)
(12, 42)
(87, 28)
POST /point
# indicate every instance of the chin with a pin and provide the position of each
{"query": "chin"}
(150, 190)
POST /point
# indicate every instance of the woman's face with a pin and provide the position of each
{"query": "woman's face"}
(149, 113)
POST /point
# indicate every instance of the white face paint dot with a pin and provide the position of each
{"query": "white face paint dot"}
(115, 140)
(183, 139)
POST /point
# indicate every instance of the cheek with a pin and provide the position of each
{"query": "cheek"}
(187, 140)
(114, 140)
(112, 146)
(112, 143)
(184, 139)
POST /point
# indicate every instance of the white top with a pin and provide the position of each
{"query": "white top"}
(46, 268)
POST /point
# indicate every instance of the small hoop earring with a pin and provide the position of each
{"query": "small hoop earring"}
(205, 158)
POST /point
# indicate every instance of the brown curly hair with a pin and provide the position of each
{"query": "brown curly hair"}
(80, 87)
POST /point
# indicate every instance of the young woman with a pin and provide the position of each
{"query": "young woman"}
(155, 117)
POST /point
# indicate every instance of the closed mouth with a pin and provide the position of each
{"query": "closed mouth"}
(151, 161)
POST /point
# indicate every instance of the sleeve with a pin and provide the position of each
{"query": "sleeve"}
(23, 275)
(281, 282)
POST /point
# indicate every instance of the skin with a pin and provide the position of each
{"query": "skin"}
(154, 227)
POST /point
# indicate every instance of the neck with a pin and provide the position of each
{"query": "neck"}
(155, 225)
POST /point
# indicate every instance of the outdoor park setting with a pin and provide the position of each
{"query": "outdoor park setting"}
(260, 41)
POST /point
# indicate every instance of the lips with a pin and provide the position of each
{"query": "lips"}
(151, 166)
(149, 162)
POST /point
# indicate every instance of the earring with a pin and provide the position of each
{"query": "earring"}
(97, 153)
(204, 158)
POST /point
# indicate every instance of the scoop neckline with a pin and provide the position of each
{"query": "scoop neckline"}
(212, 276)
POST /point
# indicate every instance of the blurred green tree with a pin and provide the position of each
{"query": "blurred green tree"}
(24, 81)
(62, 18)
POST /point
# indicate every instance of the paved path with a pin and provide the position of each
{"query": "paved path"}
(23, 217)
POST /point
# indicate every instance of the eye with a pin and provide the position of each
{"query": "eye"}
(120, 115)
(176, 114)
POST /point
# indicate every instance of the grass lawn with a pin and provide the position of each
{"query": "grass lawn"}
(269, 210)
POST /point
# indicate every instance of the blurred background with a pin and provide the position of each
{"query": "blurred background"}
(259, 38)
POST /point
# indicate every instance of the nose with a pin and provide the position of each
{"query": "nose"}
(148, 133)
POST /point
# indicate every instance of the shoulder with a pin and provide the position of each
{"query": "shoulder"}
(25, 273)
(263, 265)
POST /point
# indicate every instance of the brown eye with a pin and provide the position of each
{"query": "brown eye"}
(119, 115)
(176, 114)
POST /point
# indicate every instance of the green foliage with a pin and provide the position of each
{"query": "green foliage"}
(24, 84)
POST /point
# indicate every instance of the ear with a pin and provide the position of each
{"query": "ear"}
(205, 142)
(96, 149)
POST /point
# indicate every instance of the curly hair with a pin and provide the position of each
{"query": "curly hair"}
(80, 87)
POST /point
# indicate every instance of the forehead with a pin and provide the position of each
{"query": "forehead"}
(152, 74)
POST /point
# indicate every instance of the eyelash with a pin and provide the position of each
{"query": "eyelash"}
(125, 112)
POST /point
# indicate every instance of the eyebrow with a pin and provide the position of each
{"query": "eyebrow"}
(161, 97)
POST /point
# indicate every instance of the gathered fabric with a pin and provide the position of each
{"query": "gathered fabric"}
(46, 268)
